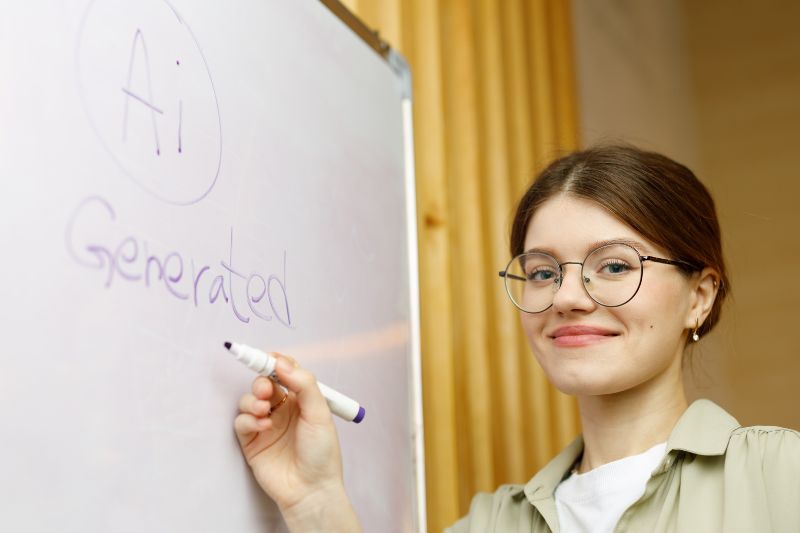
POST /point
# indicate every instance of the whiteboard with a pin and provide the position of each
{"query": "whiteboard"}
(177, 174)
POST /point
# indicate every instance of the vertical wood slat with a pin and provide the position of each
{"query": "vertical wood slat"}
(462, 151)
(494, 101)
(502, 352)
(519, 97)
(541, 82)
(563, 76)
(421, 36)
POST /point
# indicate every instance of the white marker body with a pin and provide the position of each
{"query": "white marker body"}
(264, 364)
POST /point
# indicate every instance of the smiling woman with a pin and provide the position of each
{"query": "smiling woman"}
(617, 266)
(659, 199)
(645, 310)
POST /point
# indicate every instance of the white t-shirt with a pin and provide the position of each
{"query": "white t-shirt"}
(594, 502)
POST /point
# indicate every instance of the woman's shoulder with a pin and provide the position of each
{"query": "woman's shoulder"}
(707, 429)
(487, 508)
(762, 477)
(771, 449)
(764, 435)
(517, 507)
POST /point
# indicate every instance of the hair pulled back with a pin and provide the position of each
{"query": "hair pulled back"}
(659, 198)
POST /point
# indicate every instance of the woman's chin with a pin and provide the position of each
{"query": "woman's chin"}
(585, 379)
(587, 388)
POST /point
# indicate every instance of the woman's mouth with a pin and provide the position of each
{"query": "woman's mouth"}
(575, 336)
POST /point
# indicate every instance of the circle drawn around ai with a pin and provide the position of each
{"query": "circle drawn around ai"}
(149, 96)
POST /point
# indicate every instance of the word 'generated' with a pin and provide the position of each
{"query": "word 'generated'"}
(129, 259)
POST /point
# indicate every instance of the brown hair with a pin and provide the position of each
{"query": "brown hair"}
(659, 198)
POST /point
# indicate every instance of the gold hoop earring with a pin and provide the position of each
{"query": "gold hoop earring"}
(695, 336)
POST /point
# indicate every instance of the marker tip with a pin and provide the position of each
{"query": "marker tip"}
(227, 345)
(360, 416)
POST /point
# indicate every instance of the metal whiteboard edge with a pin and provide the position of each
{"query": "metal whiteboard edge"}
(372, 38)
(358, 26)
(400, 66)
(403, 71)
(416, 345)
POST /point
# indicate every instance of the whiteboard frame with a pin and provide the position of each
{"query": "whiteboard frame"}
(401, 69)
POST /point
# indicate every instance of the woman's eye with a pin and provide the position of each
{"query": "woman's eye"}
(541, 275)
(615, 267)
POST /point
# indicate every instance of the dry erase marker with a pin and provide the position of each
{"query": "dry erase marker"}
(264, 364)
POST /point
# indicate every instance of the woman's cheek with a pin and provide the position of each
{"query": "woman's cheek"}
(531, 325)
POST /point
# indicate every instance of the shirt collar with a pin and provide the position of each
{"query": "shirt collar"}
(703, 429)
(540, 490)
(544, 483)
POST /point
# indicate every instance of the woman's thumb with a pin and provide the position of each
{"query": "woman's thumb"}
(304, 385)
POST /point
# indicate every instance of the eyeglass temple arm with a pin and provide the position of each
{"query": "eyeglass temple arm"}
(669, 262)
(504, 274)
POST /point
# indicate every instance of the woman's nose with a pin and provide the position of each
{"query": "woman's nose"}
(571, 294)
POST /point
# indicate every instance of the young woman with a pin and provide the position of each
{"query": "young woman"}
(617, 267)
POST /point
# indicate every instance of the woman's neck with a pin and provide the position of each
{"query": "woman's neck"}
(630, 422)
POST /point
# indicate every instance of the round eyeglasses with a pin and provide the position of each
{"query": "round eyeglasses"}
(611, 275)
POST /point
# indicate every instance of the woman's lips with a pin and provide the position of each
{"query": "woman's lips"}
(572, 336)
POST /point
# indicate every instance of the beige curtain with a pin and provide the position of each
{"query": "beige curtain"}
(494, 101)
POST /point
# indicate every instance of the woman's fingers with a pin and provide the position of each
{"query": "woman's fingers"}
(263, 388)
(301, 382)
(253, 417)
(246, 425)
(248, 403)
(266, 413)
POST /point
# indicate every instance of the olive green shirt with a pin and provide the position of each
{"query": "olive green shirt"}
(715, 476)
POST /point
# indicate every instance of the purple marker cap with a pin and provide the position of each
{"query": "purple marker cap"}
(360, 416)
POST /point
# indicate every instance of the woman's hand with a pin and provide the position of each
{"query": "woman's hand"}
(290, 442)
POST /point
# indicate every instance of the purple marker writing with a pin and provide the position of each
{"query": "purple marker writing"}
(264, 364)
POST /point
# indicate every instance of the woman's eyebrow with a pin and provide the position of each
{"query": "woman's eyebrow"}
(547, 251)
(638, 245)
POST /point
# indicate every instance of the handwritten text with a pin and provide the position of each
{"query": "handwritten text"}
(249, 295)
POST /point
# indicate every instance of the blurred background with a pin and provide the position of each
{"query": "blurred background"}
(501, 87)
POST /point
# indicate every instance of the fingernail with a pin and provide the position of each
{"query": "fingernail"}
(285, 366)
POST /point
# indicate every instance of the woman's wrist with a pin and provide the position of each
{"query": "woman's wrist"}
(325, 510)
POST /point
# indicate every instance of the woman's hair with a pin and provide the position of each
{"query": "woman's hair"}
(659, 198)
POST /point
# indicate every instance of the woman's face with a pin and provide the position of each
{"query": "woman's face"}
(627, 346)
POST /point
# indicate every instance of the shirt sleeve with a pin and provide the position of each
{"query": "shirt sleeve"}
(766, 472)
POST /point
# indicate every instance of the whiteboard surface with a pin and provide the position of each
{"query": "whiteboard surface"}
(176, 175)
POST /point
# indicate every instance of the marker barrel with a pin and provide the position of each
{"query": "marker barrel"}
(264, 364)
(340, 404)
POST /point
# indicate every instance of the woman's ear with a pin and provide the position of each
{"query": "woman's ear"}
(705, 286)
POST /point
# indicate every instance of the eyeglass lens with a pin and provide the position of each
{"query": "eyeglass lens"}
(611, 275)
